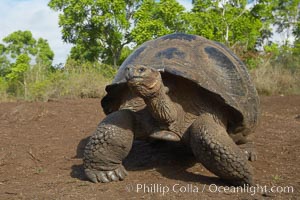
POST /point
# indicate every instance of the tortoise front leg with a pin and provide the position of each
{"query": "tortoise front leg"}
(213, 147)
(108, 146)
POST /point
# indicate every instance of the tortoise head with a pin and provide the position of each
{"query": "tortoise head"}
(144, 81)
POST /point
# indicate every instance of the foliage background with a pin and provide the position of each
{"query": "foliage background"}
(104, 32)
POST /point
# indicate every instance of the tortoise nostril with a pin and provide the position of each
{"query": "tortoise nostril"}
(128, 70)
(129, 73)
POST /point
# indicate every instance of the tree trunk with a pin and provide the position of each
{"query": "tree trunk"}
(227, 33)
(25, 90)
(115, 61)
(116, 57)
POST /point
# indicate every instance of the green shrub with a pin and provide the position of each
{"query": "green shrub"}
(69, 84)
(39, 91)
(83, 85)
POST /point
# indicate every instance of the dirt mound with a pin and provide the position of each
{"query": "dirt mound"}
(41, 149)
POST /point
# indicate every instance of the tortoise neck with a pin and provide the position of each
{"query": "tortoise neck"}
(163, 109)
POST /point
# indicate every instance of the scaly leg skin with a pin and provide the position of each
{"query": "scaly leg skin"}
(108, 146)
(213, 147)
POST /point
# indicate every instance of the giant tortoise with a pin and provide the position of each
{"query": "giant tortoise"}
(178, 87)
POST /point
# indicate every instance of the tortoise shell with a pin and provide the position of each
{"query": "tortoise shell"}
(209, 64)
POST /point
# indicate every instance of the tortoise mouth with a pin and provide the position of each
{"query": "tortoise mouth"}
(135, 78)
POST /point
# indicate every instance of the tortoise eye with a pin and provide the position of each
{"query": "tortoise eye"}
(142, 69)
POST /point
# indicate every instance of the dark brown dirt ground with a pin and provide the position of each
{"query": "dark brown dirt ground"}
(41, 149)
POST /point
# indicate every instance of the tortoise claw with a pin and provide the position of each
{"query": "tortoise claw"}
(249, 150)
(121, 172)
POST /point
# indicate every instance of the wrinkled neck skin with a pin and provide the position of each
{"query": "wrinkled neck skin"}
(163, 109)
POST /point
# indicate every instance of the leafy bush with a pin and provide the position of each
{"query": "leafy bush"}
(39, 91)
(75, 80)
(88, 83)
(81, 85)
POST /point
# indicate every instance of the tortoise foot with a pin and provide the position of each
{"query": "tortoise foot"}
(96, 176)
(249, 150)
(107, 147)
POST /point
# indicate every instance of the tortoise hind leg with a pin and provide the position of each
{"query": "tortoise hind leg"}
(213, 147)
(108, 146)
